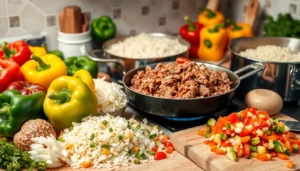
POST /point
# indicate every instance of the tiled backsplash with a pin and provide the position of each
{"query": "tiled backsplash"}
(40, 17)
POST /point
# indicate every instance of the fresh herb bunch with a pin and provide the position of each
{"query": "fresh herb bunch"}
(13, 158)
(284, 26)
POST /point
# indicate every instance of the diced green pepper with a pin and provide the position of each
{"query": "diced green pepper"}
(278, 147)
(144, 157)
(255, 141)
(295, 148)
(92, 136)
(211, 122)
(253, 148)
(104, 122)
(152, 136)
(280, 129)
(207, 133)
(137, 161)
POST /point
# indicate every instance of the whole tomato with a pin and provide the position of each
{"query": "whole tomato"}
(26, 88)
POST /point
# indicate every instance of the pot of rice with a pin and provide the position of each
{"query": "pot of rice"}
(281, 57)
(128, 52)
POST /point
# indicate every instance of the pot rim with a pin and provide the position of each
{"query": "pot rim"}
(236, 41)
(180, 39)
(191, 99)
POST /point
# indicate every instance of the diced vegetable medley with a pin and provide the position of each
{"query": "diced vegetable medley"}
(250, 133)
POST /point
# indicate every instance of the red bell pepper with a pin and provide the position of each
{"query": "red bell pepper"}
(26, 88)
(17, 51)
(191, 33)
(9, 72)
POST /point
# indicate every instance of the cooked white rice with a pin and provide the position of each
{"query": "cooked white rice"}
(110, 96)
(120, 134)
(272, 53)
(147, 46)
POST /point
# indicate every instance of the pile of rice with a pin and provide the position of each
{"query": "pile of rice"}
(110, 96)
(272, 53)
(118, 133)
(147, 46)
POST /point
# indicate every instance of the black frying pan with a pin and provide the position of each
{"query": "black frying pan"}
(187, 107)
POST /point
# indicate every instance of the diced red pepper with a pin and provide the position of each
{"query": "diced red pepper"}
(181, 60)
(154, 149)
(160, 155)
(244, 133)
(233, 118)
(169, 149)
(169, 144)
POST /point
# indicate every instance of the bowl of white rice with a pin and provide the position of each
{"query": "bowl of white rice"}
(281, 58)
(128, 52)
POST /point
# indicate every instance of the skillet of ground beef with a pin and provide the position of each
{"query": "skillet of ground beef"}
(181, 81)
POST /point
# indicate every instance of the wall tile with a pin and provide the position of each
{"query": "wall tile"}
(3, 26)
(14, 21)
(18, 31)
(15, 6)
(3, 11)
(32, 19)
(52, 6)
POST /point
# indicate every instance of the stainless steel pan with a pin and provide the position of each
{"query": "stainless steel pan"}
(188, 107)
(118, 65)
(281, 77)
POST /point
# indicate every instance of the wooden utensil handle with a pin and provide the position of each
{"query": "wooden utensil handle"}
(213, 4)
(251, 12)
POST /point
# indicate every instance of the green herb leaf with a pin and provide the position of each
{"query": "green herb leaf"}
(105, 146)
(152, 136)
(110, 130)
(120, 137)
(104, 122)
(138, 126)
(92, 136)
(92, 145)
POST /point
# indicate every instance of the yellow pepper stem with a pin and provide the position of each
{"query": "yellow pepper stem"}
(216, 28)
(235, 26)
(42, 65)
(191, 26)
(61, 97)
(210, 13)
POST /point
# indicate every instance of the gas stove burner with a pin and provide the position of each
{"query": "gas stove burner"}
(183, 119)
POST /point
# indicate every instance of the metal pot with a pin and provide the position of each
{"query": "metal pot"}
(119, 65)
(281, 77)
(187, 107)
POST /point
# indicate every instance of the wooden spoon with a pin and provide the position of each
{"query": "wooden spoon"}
(251, 12)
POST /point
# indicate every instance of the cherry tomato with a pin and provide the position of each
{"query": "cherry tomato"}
(169, 144)
(164, 141)
(181, 60)
(169, 149)
(160, 155)
(154, 149)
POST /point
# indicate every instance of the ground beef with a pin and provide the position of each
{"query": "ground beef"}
(184, 81)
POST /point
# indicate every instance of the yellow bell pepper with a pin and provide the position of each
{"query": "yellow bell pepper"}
(43, 70)
(38, 51)
(236, 30)
(68, 100)
(210, 17)
(213, 42)
(86, 77)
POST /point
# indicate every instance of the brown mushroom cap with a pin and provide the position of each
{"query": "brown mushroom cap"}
(31, 129)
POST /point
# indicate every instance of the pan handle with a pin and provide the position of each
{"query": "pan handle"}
(256, 68)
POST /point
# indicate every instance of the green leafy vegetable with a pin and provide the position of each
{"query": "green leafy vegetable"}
(284, 26)
(12, 158)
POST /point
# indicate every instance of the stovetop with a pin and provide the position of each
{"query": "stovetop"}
(172, 124)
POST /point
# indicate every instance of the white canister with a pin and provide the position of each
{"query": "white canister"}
(74, 44)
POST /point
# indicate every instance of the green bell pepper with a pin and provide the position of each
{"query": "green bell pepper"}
(103, 29)
(15, 109)
(82, 62)
(57, 53)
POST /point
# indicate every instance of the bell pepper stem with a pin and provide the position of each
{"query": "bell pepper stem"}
(4, 111)
(216, 28)
(8, 53)
(235, 26)
(61, 97)
(210, 13)
(42, 65)
(191, 26)
(208, 43)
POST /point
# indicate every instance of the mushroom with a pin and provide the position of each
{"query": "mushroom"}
(31, 129)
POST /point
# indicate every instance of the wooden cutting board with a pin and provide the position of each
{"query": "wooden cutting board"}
(191, 145)
(176, 163)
